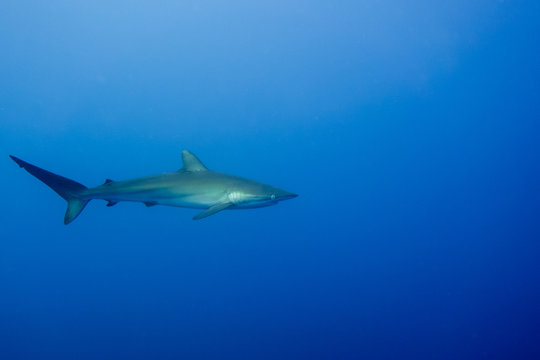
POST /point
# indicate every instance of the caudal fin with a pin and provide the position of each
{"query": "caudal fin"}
(68, 189)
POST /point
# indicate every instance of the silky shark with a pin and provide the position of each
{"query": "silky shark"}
(193, 186)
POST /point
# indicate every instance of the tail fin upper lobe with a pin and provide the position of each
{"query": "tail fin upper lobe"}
(68, 189)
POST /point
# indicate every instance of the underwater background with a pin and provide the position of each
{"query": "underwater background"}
(410, 130)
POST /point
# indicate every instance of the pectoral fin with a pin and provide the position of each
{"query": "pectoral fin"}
(212, 210)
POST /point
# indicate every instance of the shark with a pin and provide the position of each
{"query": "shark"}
(192, 186)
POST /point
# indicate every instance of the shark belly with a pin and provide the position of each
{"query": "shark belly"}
(198, 201)
(158, 193)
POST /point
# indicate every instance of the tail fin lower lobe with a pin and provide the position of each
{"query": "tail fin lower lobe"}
(68, 189)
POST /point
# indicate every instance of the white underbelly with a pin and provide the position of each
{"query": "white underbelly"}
(201, 201)
(190, 201)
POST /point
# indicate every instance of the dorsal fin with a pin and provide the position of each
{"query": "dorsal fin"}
(107, 181)
(191, 162)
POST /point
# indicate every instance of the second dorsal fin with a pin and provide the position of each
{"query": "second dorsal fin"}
(191, 162)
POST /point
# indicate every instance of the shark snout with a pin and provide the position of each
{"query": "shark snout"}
(285, 195)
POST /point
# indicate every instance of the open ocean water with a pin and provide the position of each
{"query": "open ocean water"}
(410, 130)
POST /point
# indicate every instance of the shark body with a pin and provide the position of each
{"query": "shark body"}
(193, 186)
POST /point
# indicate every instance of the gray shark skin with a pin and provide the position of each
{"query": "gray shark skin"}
(193, 186)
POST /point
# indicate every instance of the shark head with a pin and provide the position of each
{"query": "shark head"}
(256, 194)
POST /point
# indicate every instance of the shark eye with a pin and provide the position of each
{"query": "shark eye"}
(272, 196)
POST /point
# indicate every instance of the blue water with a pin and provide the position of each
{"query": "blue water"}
(410, 129)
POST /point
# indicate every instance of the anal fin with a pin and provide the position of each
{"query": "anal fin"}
(150, 203)
(111, 203)
(212, 210)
